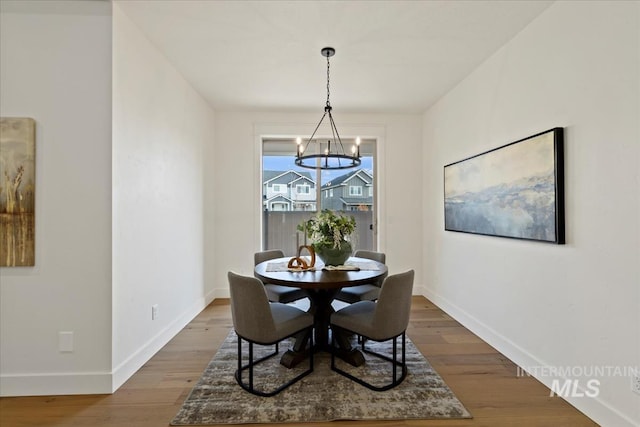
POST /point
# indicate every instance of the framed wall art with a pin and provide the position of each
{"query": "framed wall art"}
(17, 191)
(514, 191)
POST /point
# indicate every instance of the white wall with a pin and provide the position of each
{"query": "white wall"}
(161, 128)
(576, 66)
(236, 205)
(56, 68)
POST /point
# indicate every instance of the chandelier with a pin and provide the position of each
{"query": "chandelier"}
(332, 155)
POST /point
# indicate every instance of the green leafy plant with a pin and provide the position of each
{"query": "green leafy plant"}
(328, 228)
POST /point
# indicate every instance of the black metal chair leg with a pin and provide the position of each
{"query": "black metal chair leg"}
(252, 363)
(395, 381)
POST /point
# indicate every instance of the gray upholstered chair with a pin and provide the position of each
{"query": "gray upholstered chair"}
(278, 293)
(386, 319)
(366, 292)
(258, 321)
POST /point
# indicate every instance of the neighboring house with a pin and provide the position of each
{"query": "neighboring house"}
(288, 191)
(349, 192)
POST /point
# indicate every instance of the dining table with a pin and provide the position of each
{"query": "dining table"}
(321, 284)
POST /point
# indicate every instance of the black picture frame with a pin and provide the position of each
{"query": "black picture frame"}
(514, 191)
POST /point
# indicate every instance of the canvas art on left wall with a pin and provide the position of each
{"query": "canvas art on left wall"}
(17, 191)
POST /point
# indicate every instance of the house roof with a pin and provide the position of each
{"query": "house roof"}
(303, 178)
(279, 198)
(270, 175)
(357, 200)
(342, 179)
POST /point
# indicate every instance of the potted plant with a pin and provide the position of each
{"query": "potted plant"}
(330, 234)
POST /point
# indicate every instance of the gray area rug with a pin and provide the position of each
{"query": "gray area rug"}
(323, 395)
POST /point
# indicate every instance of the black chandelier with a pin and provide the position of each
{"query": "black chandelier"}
(333, 155)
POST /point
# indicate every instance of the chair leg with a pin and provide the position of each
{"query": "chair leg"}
(394, 363)
(333, 352)
(395, 358)
(239, 359)
(252, 363)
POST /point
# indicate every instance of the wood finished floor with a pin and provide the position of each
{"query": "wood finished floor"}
(483, 379)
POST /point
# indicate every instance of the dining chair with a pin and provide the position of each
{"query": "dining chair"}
(278, 293)
(258, 321)
(381, 321)
(368, 291)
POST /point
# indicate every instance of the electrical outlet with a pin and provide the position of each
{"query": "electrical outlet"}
(154, 312)
(65, 341)
(635, 383)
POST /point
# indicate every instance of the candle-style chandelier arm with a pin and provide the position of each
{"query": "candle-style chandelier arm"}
(336, 137)
(300, 149)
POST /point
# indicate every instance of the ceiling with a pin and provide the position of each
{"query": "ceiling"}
(391, 56)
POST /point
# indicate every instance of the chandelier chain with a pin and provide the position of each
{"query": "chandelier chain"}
(328, 103)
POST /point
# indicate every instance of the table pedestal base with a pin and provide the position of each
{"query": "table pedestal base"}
(354, 357)
(291, 358)
(321, 309)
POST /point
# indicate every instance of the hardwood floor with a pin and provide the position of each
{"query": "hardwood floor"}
(483, 379)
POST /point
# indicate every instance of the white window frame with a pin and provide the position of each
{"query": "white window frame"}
(278, 188)
(307, 186)
(352, 191)
(283, 204)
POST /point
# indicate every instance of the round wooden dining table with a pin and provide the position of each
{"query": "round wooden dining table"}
(321, 287)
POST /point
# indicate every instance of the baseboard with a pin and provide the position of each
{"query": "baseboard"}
(48, 384)
(55, 384)
(130, 366)
(593, 407)
(420, 290)
(208, 298)
(221, 293)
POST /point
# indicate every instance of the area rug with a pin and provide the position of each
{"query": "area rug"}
(323, 395)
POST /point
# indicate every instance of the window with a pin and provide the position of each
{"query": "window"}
(279, 207)
(303, 189)
(355, 190)
(299, 194)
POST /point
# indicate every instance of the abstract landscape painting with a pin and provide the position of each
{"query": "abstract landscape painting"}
(514, 191)
(17, 191)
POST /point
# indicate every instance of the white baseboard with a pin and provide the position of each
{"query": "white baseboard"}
(130, 366)
(594, 408)
(99, 382)
(220, 293)
(55, 384)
